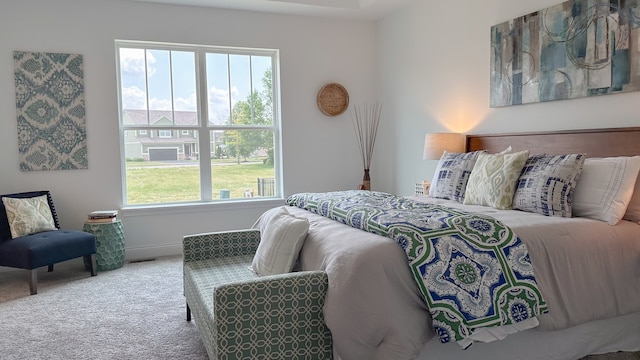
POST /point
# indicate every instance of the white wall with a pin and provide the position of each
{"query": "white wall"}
(434, 62)
(428, 63)
(320, 152)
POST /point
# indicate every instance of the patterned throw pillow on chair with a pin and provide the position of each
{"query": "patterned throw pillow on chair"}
(28, 215)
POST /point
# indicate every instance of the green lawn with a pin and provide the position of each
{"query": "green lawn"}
(148, 183)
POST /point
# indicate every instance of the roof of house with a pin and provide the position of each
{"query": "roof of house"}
(160, 117)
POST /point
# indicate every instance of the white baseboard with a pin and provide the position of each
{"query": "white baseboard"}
(147, 252)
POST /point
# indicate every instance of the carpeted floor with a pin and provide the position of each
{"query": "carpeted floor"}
(135, 312)
(615, 356)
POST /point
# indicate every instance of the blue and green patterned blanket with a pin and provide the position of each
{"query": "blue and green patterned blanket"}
(473, 271)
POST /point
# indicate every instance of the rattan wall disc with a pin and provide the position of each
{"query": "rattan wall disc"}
(333, 99)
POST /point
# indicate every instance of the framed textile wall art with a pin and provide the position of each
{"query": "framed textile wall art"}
(579, 48)
(50, 109)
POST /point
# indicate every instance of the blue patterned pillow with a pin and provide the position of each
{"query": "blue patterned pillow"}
(452, 174)
(547, 183)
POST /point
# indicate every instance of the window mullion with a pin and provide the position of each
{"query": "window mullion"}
(204, 139)
(251, 103)
(173, 100)
(146, 80)
(229, 87)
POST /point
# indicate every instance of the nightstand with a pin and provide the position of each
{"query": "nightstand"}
(422, 188)
(109, 243)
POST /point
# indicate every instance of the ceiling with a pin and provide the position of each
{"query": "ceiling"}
(351, 9)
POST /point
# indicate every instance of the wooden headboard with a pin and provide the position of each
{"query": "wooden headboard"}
(593, 142)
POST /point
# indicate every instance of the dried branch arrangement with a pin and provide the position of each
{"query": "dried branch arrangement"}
(366, 119)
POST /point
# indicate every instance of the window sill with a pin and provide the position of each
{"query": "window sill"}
(194, 207)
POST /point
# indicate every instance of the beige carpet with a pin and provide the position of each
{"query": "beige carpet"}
(615, 356)
(135, 312)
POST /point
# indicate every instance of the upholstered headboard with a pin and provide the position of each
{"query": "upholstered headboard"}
(593, 142)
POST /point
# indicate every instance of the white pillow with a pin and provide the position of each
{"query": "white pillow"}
(266, 217)
(633, 210)
(28, 215)
(280, 244)
(605, 188)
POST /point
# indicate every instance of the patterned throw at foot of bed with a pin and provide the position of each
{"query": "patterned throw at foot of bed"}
(473, 271)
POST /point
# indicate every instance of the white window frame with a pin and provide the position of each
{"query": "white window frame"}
(203, 130)
(162, 134)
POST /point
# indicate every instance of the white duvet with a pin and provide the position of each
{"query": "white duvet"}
(586, 269)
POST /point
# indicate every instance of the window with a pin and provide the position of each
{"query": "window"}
(213, 120)
(164, 134)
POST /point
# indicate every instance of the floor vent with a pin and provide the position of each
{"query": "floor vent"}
(141, 260)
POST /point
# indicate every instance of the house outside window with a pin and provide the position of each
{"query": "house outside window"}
(198, 123)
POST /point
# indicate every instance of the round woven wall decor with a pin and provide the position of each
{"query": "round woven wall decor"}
(333, 99)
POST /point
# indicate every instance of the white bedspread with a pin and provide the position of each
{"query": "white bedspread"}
(586, 270)
(373, 307)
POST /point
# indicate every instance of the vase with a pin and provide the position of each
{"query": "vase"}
(366, 180)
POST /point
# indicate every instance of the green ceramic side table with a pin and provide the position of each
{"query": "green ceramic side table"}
(109, 244)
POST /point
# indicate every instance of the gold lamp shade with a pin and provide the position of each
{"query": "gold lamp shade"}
(435, 144)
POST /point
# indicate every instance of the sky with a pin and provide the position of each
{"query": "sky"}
(229, 80)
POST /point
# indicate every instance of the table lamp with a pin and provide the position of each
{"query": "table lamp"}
(435, 144)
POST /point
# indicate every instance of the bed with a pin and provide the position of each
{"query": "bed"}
(587, 270)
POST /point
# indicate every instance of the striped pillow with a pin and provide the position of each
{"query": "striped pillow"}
(605, 188)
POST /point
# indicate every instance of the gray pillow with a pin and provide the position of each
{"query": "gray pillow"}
(547, 183)
(452, 174)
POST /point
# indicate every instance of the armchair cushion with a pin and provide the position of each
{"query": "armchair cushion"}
(28, 216)
(45, 248)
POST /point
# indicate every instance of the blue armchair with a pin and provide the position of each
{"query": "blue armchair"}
(44, 248)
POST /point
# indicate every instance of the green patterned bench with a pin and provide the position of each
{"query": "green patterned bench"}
(242, 316)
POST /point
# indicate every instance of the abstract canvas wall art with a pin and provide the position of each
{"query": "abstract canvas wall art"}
(575, 49)
(50, 110)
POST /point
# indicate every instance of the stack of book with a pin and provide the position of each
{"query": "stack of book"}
(103, 216)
